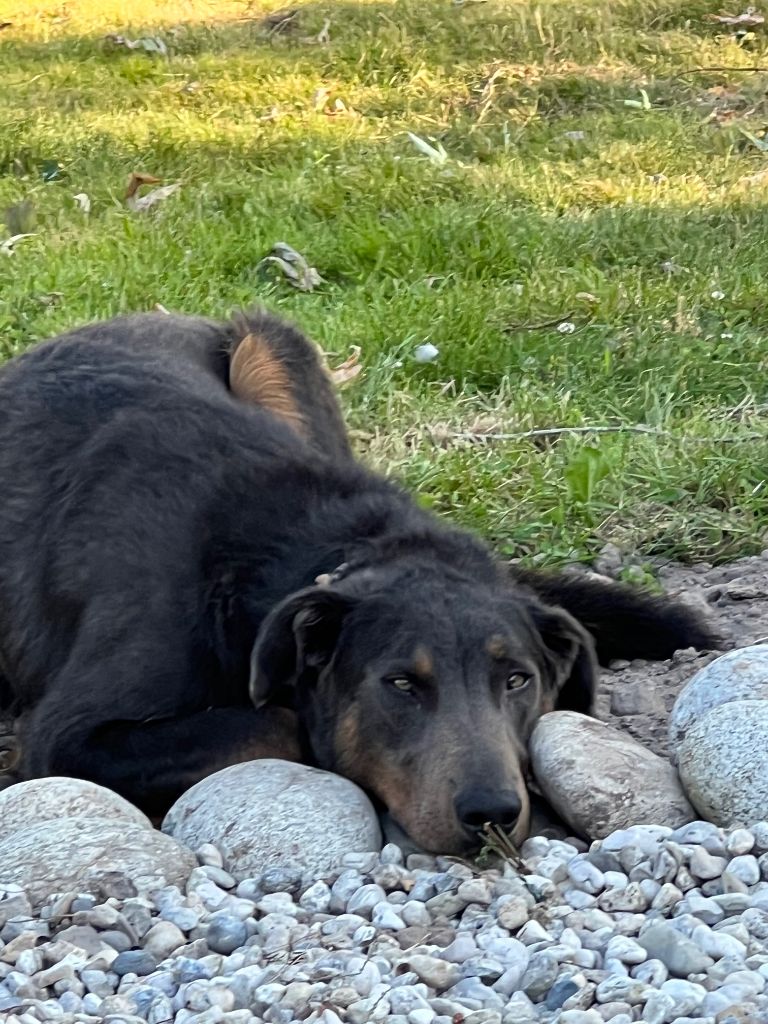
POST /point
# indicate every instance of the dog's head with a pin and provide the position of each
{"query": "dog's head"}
(423, 686)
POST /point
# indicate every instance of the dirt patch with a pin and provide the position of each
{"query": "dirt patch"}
(638, 696)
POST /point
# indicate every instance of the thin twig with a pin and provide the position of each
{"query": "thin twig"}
(717, 67)
(556, 431)
(539, 326)
(626, 428)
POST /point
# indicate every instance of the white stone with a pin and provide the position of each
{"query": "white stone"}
(267, 813)
(737, 675)
(746, 868)
(54, 798)
(589, 772)
(74, 854)
(723, 763)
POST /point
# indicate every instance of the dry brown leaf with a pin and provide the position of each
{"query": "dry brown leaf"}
(139, 204)
(750, 18)
(293, 265)
(320, 97)
(284, 20)
(323, 37)
(149, 44)
(7, 247)
(349, 369)
(138, 178)
(760, 178)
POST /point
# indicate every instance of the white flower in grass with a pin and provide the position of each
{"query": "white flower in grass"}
(566, 327)
(717, 295)
(427, 353)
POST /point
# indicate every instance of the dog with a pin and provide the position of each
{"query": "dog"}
(195, 571)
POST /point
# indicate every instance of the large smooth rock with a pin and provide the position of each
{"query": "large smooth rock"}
(83, 854)
(265, 813)
(30, 803)
(723, 763)
(599, 779)
(737, 675)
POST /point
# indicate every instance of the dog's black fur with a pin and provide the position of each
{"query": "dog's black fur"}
(163, 519)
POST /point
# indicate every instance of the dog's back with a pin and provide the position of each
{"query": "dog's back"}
(258, 359)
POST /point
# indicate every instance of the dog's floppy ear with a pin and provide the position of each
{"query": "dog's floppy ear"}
(570, 657)
(296, 639)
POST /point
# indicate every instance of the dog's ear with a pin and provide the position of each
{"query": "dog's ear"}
(296, 640)
(570, 657)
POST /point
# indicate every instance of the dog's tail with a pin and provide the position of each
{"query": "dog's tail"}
(273, 365)
(624, 621)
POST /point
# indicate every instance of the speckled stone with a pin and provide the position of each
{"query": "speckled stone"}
(270, 813)
(723, 763)
(589, 773)
(737, 675)
(54, 798)
(73, 854)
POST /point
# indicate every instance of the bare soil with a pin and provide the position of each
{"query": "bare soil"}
(638, 696)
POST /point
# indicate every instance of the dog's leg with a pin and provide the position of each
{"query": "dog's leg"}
(152, 763)
(624, 621)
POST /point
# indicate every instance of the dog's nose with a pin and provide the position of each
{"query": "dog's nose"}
(476, 807)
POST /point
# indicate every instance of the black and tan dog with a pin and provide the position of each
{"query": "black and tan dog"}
(194, 571)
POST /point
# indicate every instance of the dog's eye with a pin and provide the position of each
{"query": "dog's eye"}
(401, 683)
(517, 680)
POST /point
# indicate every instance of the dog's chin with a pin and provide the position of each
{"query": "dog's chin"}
(393, 832)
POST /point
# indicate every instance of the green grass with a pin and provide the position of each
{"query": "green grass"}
(651, 213)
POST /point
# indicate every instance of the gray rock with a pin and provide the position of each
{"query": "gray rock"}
(74, 853)
(317, 898)
(364, 899)
(739, 842)
(737, 675)
(134, 961)
(746, 868)
(163, 938)
(704, 865)
(225, 933)
(589, 773)
(271, 813)
(723, 763)
(51, 799)
(540, 975)
(681, 956)
(561, 991)
(438, 974)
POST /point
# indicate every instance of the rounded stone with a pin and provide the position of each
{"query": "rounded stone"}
(76, 854)
(589, 773)
(54, 798)
(269, 813)
(723, 763)
(226, 933)
(737, 675)
(134, 961)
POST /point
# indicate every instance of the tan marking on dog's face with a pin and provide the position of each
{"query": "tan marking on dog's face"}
(257, 376)
(419, 787)
(497, 647)
(423, 663)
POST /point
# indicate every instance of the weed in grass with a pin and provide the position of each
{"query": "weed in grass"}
(467, 179)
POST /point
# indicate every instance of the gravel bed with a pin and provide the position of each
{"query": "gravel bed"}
(649, 924)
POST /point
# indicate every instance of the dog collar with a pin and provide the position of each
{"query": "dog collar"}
(325, 579)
